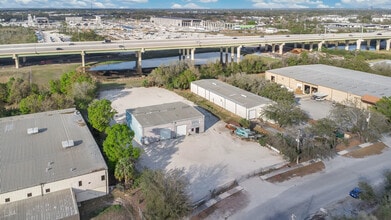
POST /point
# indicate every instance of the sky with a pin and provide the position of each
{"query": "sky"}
(196, 4)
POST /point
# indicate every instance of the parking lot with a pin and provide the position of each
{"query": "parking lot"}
(209, 159)
(315, 109)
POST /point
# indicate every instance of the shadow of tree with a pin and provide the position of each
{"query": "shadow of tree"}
(157, 155)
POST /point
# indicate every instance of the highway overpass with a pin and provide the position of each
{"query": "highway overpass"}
(188, 46)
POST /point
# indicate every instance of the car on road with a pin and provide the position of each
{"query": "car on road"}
(234, 38)
(70, 44)
(121, 46)
(379, 34)
(59, 48)
(355, 193)
(287, 35)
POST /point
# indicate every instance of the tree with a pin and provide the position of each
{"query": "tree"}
(118, 144)
(383, 106)
(324, 131)
(284, 113)
(368, 125)
(165, 194)
(100, 114)
(367, 192)
(124, 170)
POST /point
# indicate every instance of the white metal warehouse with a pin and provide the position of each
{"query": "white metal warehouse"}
(49, 162)
(238, 101)
(337, 84)
(165, 121)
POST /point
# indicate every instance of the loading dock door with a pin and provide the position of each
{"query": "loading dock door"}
(180, 130)
(165, 133)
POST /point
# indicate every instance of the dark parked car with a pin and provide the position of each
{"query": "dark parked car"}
(59, 48)
(355, 193)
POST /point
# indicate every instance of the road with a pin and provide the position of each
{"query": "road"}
(55, 48)
(302, 197)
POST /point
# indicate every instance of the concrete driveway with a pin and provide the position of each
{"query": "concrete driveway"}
(210, 160)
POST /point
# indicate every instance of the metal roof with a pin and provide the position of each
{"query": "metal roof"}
(56, 205)
(28, 160)
(164, 114)
(350, 81)
(232, 93)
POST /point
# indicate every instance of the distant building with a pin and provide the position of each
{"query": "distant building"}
(177, 22)
(336, 84)
(49, 161)
(165, 121)
(238, 101)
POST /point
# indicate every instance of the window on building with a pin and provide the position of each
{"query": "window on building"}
(103, 177)
(47, 190)
(7, 200)
(80, 183)
(29, 194)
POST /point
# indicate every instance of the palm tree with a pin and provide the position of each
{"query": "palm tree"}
(124, 170)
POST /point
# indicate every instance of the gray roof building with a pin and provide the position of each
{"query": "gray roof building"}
(350, 81)
(46, 147)
(164, 114)
(56, 205)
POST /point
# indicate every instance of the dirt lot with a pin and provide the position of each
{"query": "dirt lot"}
(374, 149)
(301, 171)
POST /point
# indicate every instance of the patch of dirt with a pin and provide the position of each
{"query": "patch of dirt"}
(300, 171)
(352, 142)
(225, 207)
(374, 149)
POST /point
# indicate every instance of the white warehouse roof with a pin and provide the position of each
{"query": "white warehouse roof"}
(32, 150)
(351, 81)
(232, 93)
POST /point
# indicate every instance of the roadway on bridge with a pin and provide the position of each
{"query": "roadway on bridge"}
(37, 49)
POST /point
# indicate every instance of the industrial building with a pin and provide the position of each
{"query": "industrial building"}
(334, 83)
(240, 102)
(165, 121)
(176, 22)
(49, 162)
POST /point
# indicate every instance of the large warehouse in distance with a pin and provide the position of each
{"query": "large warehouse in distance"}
(337, 84)
(165, 121)
(238, 101)
(49, 162)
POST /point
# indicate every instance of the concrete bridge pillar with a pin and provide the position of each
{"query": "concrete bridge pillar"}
(226, 55)
(336, 45)
(232, 54)
(358, 44)
(311, 47)
(368, 44)
(221, 55)
(16, 58)
(238, 54)
(302, 45)
(266, 47)
(180, 54)
(377, 45)
(320, 45)
(183, 54)
(346, 45)
(83, 59)
(187, 53)
(138, 63)
(388, 42)
(273, 48)
(192, 51)
(295, 45)
(281, 48)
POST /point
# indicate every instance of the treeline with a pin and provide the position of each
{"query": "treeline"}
(17, 35)
(73, 89)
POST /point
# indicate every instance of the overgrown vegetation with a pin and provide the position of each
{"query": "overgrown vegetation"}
(17, 35)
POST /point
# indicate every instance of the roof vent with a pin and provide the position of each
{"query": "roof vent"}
(214, 84)
(73, 169)
(68, 144)
(32, 130)
(244, 96)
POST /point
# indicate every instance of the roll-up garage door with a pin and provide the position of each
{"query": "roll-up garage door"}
(180, 130)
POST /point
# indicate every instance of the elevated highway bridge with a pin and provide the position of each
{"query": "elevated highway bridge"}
(188, 46)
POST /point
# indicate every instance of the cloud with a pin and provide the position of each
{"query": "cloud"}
(186, 6)
(366, 3)
(208, 1)
(136, 1)
(289, 4)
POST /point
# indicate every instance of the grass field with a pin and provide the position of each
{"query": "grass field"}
(40, 74)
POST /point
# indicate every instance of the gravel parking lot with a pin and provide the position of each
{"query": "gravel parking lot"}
(209, 159)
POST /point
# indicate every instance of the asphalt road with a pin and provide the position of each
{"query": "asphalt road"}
(302, 197)
(163, 44)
